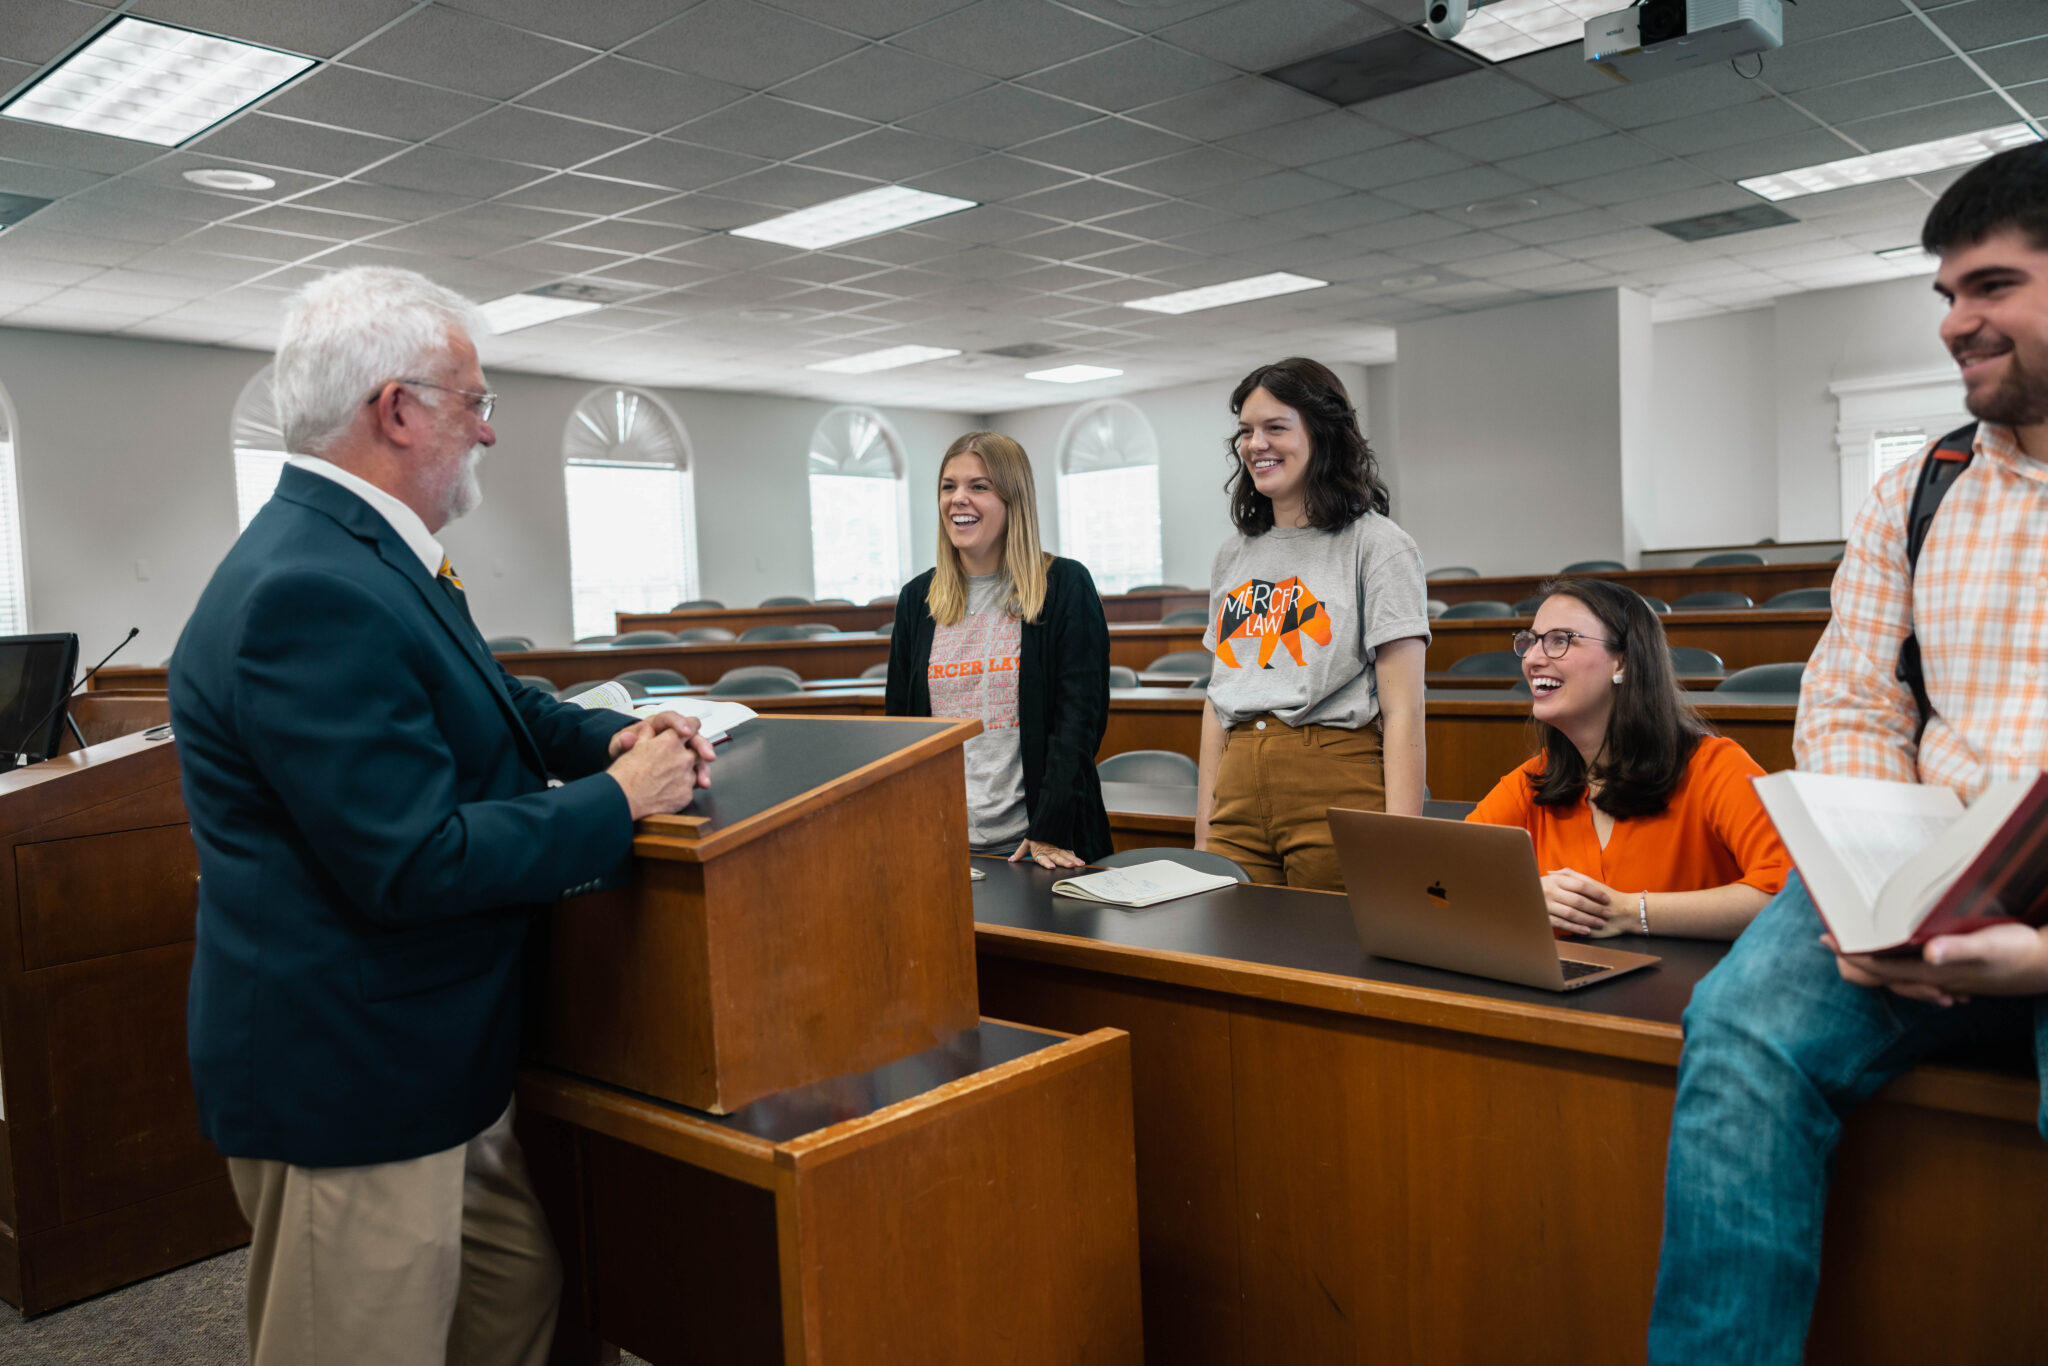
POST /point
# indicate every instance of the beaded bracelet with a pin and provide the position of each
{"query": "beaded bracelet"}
(1643, 910)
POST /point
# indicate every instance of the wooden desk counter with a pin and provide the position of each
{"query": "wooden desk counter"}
(970, 1203)
(1740, 638)
(1759, 582)
(738, 619)
(1344, 1159)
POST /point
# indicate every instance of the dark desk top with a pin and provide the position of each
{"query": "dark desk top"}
(773, 759)
(792, 1114)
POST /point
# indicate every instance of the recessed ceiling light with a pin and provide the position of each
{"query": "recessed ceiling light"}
(1513, 28)
(1918, 159)
(153, 83)
(889, 359)
(1073, 374)
(1495, 210)
(515, 311)
(221, 178)
(854, 216)
(1230, 292)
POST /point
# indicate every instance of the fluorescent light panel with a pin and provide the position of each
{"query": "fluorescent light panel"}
(153, 83)
(1919, 159)
(1073, 374)
(854, 216)
(1229, 292)
(890, 359)
(1513, 28)
(515, 311)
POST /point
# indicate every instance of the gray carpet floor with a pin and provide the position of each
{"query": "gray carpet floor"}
(188, 1317)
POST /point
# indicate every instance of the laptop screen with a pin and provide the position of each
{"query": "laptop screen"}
(35, 678)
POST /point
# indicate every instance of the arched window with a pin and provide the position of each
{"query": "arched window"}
(259, 448)
(860, 507)
(632, 513)
(1109, 495)
(13, 564)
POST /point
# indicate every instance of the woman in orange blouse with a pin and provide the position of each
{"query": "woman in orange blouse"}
(1644, 820)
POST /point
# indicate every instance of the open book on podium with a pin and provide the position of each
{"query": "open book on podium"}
(1892, 865)
(809, 916)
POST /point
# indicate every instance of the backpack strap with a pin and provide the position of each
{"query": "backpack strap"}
(1938, 473)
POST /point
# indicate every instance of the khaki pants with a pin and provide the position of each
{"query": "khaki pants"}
(442, 1258)
(1274, 786)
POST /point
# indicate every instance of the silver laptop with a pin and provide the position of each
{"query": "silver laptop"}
(1465, 897)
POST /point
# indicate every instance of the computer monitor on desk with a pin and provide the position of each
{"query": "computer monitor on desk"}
(35, 682)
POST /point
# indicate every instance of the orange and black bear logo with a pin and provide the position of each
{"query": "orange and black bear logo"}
(1273, 614)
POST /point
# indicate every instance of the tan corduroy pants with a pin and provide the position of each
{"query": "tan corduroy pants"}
(440, 1259)
(1275, 785)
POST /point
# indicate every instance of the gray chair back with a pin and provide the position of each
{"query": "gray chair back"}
(593, 640)
(654, 678)
(1801, 599)
(833, 602)
(817, 628)
(1728, 557)
(1446, 811)
(786, 602)
(1436, 607)
(634, 690)
(775, 633)
(1657, 605)
(752, 671)
(1593, 567)
(508, 645)
(1835, 558)
(1152, 767)
(1201, 860)
(886, 600)
(536, 682)
(1691, 659)
(1526, 607)
(760, 685)
(1488, 664)
(887, 628)
(1193, 663)
(647, 637)
(876, 670)
(699, 605)
(1484, 607)
(1158, 588)
(1186, 616)
(1784, 677)
(694, 633)
(1452, 571)
(1720, 600)
(1121, 677)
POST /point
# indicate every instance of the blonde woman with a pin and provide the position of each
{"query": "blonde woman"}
(1015, 638)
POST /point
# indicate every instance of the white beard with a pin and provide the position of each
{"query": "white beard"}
(465, 492)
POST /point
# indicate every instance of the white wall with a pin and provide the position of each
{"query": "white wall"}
(124, 456)
(1714, 431)
(1509, 452)
(1194, 425)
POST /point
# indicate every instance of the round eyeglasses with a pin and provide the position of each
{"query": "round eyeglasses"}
(1555, 643)
(482, 401)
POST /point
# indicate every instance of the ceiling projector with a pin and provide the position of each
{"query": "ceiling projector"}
(1665, 37)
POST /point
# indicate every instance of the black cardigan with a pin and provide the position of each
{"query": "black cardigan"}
(1062, 700)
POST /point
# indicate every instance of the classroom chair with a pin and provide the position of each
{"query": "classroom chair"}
(537, 683)
(1593, 567)
(1436, 607)
(1527, 606)
(1785, 678)
(786, 602)
(647, 637)
(753, 633)
(761, 685)
(654, 678)
(1121, 677)
(1186, 616)
(1158, 588)
(1691, 659)
(1801, 599)
(1488, 664)
(876, 670)
(508, 645)
(1454, 571)
(1484, 607)
(1193, 663)
(1727, 557)
(699, 605)
(1657, 604)
(1719, 600)
(753, 671)
(1152, 767)
(698, 633)
(817, 628)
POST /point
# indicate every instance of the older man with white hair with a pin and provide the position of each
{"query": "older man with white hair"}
(370, 795)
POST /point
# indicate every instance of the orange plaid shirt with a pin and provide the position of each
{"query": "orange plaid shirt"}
(1979, 600)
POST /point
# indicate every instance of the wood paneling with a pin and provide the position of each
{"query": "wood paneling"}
(1760, 582)
(738, 619)
(106, 894)
(1739, 638)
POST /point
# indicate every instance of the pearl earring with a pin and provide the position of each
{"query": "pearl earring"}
(1617, 677)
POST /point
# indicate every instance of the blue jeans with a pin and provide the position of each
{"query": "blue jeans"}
(1778, 1050)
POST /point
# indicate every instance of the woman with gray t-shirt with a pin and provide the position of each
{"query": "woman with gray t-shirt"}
(1318, 622)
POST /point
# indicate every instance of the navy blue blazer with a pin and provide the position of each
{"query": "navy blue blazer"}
(368, 793)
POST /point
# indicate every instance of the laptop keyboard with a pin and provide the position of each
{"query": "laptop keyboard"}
(1575, 968)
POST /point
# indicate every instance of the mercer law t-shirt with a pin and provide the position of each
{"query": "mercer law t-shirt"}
(973, 673)
(1297, 614)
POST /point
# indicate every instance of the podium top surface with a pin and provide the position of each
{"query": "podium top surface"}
(770, 765)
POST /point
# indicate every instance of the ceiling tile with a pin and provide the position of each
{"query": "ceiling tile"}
(1259, 35)
(1165, 219)
(1142, 71)
(1730, 127)
(1083, 200)
(1900, 42)
(1636, 183)
(623, 234)
(982, 263)
(991, 178)
(1070, 243)
(439, 170)
(764, 126)
(900, 248)
(1659, 101)
(1193, 170)
(1008, 38)
(1989, 23)
(678, 165)
(881, 83)
(711, 213)
(1144, 18)
(1925, 125)
(988, 223)
(1453, 103)
(448, 48)
(71, 148)
(1459, 187)
(39, 31)
(334, 227)
(1533, 130)
(367, 102)
(1000, 116)
(1577, 227)
(298, 146)
(1686, 204)
(92, 220)
(383, 201)
(318, 30)
(229, 240)
(1104, 145)
(1322, 137)
(723, 252)
(44, 182)
(511, 133)
(1389, 165)
(1562, 71)
(498, 221)
(741, 42)
(633, 95)
(1237, 236)
(2016, 63)
(892, 154)
(1244, 105)
(552, 258)
(1615, 152)
(869, 18)
(1333, 215)
(602, 26)
(135, 196)
(792, 187)
(586, 194)
(1268, 194)
(823, 268)
(1811, 148)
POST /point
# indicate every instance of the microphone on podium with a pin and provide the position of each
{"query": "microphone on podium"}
(21, 756)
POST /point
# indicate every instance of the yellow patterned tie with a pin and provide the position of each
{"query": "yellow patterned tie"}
(448, 573)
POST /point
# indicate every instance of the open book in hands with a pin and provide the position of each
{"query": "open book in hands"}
(1141, 884)
(1891, 865)
(716, 718)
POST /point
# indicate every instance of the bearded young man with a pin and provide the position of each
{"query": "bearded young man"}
(1787, 1036)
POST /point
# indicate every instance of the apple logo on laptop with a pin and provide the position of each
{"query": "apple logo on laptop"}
(1437, 895)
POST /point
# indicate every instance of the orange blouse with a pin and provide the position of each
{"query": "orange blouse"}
(1713, 832)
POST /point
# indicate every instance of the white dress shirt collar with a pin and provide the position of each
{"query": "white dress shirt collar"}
(401, 518)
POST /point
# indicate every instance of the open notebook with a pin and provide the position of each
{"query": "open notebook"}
(1141, 884)
(716, 718)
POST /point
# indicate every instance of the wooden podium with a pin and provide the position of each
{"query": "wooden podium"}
(104, 1176)
(766, 1122)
